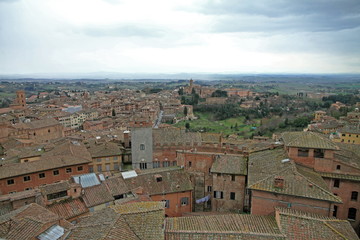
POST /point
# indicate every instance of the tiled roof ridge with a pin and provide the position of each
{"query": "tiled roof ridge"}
(306, 215)
(314, 184)
(140, 211)
(334, 230)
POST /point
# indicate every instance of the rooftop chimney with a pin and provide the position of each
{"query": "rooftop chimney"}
(279, 182)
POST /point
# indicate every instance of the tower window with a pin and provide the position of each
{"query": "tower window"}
(142, 146)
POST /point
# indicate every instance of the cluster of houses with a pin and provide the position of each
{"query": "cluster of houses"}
(135, 179)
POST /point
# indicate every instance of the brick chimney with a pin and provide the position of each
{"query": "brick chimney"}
(279, 182)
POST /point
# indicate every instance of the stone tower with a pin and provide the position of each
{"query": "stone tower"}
(20, 98)
(141, 144)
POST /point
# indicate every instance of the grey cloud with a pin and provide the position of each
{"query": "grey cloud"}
(278, 15)
(123, 31)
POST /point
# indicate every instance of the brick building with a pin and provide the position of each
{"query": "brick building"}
(56, 164)
(170, 185)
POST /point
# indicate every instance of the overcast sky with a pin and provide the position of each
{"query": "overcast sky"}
(172, 36)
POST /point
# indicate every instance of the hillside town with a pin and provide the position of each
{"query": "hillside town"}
(133, 164)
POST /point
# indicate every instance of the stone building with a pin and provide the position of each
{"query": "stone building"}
(141, 144)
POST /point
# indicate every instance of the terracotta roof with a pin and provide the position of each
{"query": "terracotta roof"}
(63, 155)
(97, 195)
(296, 184)
(69, 208)
(228, 226)
(350, 129)
(27, 221)
(299, 181)
(230, 164)
(137, 222)
(300, 225)
(42, 123)
(349, 177)
(104, 150)
(116, 185)
(146, 219)
(54, 187)
(307, 140)
(95, 226)
(173, 180)
(349, 154)
(167, 136)
(25, 228)
(265, 163)
(138, 207)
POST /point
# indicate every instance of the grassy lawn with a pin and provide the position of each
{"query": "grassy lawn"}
(205, 122)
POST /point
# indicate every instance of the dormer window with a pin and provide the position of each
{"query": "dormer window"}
(158, 178)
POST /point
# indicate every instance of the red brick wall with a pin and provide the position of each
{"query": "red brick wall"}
(344, 192)
(263, 203)
(35, 181)
(175, 209)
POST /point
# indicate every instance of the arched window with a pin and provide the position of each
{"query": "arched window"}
(352, 214)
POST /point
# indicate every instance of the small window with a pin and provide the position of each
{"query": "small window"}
(56, 172)
(91, 169)
(232, 196)
(116, 167)
(27, 189)
(338, 167)
(48, 130)
(232, 177)
(80, 168)
(10, 182)
(343, 134)
(98, 159)
(303, 152)
(209, 188)
(143, 166)
(115, 158)
(190, 163)
(218, 194)
(68, 170)
(142, 146)
(27, 178)
(352, 214)
(319, 153)
(99, 168)
(41, 175)
(158, 178)
(354, 196)
(166, 164)
(336, 183)
(184, 201)
(167, 203)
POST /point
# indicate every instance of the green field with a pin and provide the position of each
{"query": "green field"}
(226, 127)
